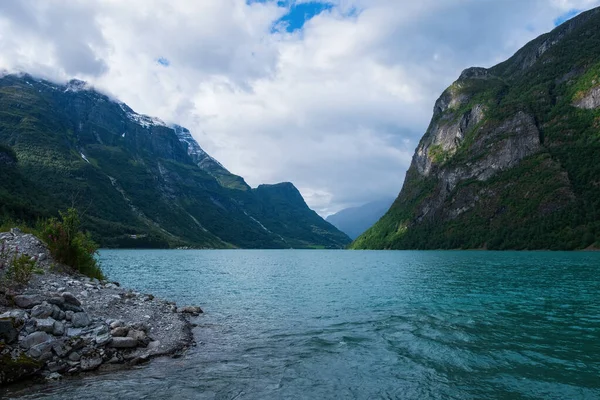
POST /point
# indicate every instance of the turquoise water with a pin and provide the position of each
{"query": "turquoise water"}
(365, 325)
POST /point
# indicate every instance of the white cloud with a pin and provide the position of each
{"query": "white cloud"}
(337, 107)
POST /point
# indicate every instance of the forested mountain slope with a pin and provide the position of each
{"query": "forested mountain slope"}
(511, 159)
(139, 182)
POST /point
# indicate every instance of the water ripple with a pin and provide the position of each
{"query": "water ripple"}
(365, 325)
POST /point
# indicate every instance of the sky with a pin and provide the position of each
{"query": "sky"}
(333, 96)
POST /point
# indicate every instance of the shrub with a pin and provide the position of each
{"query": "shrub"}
(70, 246)
(21, 268)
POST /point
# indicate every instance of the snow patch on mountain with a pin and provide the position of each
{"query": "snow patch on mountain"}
(194, 150)
(141, 119)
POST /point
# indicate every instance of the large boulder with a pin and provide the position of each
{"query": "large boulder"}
(27, 301)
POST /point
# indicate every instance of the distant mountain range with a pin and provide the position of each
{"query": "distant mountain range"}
(139, 182)
(354, 221)
(511, 158)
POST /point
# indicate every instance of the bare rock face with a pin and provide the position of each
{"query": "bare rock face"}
(494, 150)
(590, 100)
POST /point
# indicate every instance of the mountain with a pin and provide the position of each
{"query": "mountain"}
(354, 221)
(139, 181)
(511, 159)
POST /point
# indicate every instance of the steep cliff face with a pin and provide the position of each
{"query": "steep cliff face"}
(140, 182)
(510, 159)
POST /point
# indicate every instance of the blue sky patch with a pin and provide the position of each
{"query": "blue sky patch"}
(299, 14)
(163, 61)
(566, 16)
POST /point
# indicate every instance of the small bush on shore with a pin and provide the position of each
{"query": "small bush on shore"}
(70, 246)
(21, 268)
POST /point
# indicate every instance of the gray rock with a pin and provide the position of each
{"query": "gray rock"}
(57, 366)
(45, 324)
(42, 351)
(101, 330)
(20, 316)
(74, 332)
(71, 307)
(30, 325)
(153, 345)
(140, 336)
(119, 331)
(80, 320)
(141, 326)
(60, 348)
(54, 376)
(70, 299)
(27, 301)
(57, 300)
(35, 339)
(56, 312)
(58, 329)
(117, 323)
(74, 356)
(104, 339)
(85, 293)
(194, 310)
(43, 310)
(69, 315)
(88, 364)
(8, 332)
(123, 343)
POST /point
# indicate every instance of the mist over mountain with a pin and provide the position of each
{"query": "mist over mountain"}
(355, 220)
(138, 181)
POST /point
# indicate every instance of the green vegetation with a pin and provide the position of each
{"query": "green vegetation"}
(551, 199)
(438, 154)
(21, 268)
(70, 246)
(138, 187)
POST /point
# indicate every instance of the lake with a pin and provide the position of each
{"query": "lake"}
(295, 324)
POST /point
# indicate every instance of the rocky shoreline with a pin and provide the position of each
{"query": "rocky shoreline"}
(62, 323)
